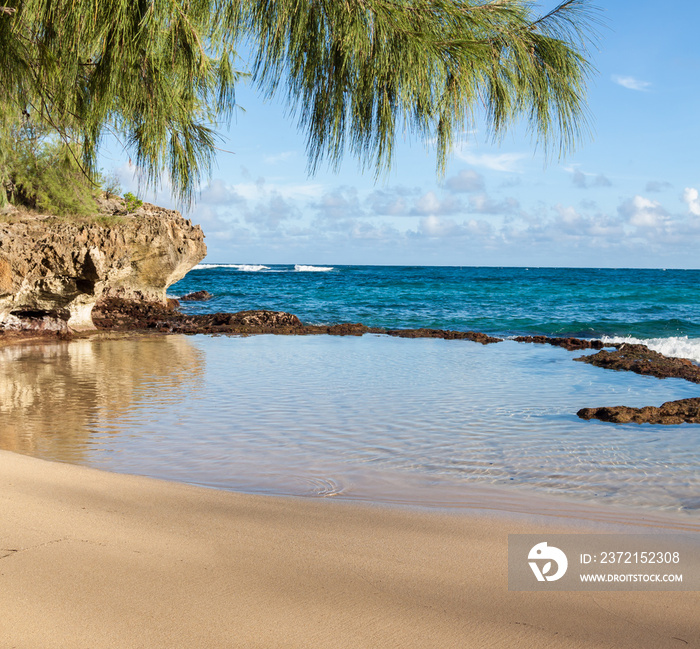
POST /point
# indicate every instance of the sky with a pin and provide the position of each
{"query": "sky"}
(628, 196)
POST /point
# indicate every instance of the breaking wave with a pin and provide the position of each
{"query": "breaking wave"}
(311, 269)
(675, 346)
(249, 268)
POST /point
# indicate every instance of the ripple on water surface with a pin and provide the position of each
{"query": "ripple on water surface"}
(325, 416)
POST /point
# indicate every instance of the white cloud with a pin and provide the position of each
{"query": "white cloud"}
(631, 83)
(484, 204)
(389, 203)
(261, 188)
(430, 204)
(568, 214)
(339, 204)
(643, 212)
(218, 192)
(508, 162)
(268, 214)
(692, 198)
(584, 180)
(434, 226)
(363, 230)
(466, 180)
(401, 201)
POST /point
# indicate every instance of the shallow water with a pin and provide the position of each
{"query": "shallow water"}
(418, 421)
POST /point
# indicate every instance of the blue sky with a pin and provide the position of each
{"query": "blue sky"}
(629, 196)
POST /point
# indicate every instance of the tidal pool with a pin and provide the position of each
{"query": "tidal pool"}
(416, 421)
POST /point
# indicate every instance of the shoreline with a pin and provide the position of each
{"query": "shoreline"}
(109, 560)
(470, 499)
(413, 494)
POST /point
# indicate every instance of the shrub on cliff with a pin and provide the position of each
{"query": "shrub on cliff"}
(42, 175)
(356, 73)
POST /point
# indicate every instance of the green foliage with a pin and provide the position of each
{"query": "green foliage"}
(132, 202)
(160, 75)
(157, 75)
(42, 175)
(356, 73)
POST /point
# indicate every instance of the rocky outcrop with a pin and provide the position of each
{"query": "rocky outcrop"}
(642, 360)
(671, 412)
(117, 314)
(53, 271)
(124, 315)
(570, 344)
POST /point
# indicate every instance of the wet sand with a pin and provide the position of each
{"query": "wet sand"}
(91, 559)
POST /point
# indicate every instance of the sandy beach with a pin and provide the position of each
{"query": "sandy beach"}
(94, 559)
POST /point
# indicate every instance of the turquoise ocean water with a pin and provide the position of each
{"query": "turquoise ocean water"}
(587, 303)
(377, 418)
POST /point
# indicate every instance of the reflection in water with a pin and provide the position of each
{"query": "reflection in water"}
(55, 398)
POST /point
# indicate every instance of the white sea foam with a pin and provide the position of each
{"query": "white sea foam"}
(251, 268)
(312, 269)
(675, 346)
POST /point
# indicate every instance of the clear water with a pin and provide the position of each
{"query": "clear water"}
(373, 417)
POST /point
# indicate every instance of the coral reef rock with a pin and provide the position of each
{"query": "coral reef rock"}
(53, 271)
(672, 412)
(642, 360)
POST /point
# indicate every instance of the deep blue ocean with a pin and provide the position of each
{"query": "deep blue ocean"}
(583, 302)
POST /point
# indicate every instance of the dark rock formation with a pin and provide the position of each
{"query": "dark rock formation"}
(51, 267)
(125, 315)
(642, 360)
(119, 314)
(571, 344)
(474, 336)
(197, 296)
(671, 412)
(343, 329)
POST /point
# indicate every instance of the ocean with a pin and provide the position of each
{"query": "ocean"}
(411, 421)
(660, 307)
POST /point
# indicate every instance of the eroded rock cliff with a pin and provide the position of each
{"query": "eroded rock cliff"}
(53, 271)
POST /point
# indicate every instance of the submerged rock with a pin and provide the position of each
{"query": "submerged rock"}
(642, 360)
(671, 412)
(197, 296)
(53, 271)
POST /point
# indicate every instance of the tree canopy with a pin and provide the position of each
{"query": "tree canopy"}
(161, 75)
